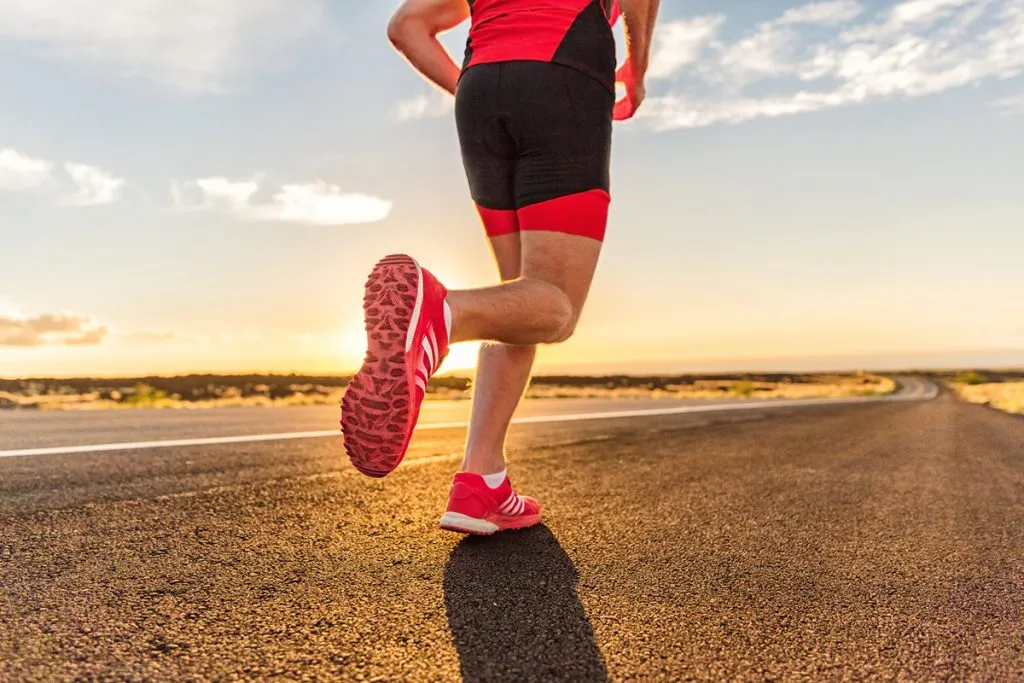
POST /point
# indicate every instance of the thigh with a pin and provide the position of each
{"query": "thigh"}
(563, 134)
(563, 260)
(507, 251)
(488, 152)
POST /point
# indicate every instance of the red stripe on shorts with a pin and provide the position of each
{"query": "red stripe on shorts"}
(583, 213)
(498, 222)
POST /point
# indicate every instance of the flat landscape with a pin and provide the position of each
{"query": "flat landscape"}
(219, 391)
(750, 540)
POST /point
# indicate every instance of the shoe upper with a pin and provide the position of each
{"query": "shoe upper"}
(430, 340)
(471, 496)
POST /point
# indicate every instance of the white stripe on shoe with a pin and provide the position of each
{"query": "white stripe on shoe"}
(429, 361)
(436, 352)
(427, 349)
(414, 321)
(513, 505)
(506, 507)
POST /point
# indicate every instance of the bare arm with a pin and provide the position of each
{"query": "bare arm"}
(413, 31)
(638, 17)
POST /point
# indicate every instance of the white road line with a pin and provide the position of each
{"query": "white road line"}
(142, 445)
(915, 393)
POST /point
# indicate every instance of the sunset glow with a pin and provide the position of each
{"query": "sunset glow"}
(788, 207)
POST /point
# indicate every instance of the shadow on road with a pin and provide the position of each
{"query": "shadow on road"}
(514, 612)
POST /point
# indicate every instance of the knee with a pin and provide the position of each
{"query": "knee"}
(566, 331)
(554, 316)
(563, 322)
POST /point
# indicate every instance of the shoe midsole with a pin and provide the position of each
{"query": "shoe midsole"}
(461, 521)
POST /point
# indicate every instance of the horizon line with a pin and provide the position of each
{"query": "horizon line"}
(812, 364)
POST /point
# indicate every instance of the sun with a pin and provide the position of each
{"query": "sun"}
(461, 357)
(351, 344)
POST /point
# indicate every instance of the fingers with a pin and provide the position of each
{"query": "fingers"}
(624, 109)
(628, 105)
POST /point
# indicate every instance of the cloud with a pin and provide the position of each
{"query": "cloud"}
(679, 43)
(316, 202)
(1009, 106)
(767, 53)
(152, 337)
(67, 329)
(815, 57)
(95, 186)
(50, 329)
(911, 13)
(829, 12)
(192, 45)
(213, 193)
(323, 204)
(432, 105)
(21, 172)
(185, 338)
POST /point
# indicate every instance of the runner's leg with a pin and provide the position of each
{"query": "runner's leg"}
(536, 155)
(502, 374)
(566, 262)
(560, 122)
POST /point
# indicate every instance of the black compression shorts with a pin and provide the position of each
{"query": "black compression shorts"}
(536, 146)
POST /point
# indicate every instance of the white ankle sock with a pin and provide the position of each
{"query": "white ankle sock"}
(494, 480)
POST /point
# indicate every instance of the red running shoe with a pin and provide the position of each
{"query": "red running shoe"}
(407, 327)
(476, 508)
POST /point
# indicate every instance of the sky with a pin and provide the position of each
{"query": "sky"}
(193, 186)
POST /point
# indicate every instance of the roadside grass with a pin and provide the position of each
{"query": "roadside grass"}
(825, 386)
(1005, 396)
(145, 396)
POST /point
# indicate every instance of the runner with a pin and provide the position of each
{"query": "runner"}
(534, 106)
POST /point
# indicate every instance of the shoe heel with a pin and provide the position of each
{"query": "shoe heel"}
(455, 521)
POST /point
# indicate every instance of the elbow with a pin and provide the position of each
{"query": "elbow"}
(398, 29)
(401, 29)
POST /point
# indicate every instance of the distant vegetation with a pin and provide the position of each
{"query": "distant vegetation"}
(188, 391)
(1002, 390)
(205, 391)
(970, 377)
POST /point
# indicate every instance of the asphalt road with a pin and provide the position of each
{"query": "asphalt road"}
(41, 432)
(879, 541)
(49, 429)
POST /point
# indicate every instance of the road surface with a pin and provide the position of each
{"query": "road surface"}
(874, 540)
(45, 433)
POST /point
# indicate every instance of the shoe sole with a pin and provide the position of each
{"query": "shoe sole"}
(460, 523)
(376, 409)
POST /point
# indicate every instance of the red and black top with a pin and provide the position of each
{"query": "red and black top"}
(575, 33)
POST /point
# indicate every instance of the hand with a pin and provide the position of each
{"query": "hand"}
(635, 92)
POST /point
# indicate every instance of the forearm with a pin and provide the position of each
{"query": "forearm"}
(638, 18)
(413, 30)
(425, 53)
